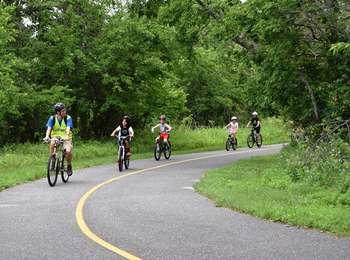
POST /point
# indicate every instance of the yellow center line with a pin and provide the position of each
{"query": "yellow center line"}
(79, 212)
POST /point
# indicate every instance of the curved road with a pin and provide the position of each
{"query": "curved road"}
(154, 214)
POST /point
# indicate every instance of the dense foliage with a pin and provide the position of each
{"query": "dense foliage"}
(198, 58)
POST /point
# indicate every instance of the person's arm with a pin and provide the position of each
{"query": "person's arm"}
(115, 131)
(48, 133)
(226, 126)
(49, 126)
(169, 127)
(154, 127)
(248, 124)
(69, 127)
(131, 132)
(258, 124)
(237, 126)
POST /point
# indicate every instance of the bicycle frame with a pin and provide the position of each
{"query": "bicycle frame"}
(58, 142)
(122, 144)
(254, 134)
(232, 138)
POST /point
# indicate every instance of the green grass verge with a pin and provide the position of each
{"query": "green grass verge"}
(26, 162)
(259, 186)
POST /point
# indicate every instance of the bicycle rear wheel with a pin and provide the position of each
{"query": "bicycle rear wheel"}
(228, 144)
(167, 150)
(52, 170)
(259, 140)
(64, 173)
(250, 141)
(157, 151)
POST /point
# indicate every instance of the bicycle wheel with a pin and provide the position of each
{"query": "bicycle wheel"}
(228, 144)
(120, 158)
(157, 151)
(259, 140)
(250, 141)
(63, 165)
(52, 170)
(167, 150)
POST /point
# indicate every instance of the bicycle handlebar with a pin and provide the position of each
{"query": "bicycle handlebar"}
(122, 137)
(57, 140)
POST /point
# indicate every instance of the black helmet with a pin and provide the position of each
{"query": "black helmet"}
(58, 107)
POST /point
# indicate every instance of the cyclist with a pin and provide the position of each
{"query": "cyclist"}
(60, 125)
(232, 128)
(255, 122)
(125, 130)
(163, 127)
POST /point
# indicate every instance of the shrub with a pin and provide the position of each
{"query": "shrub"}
(324, 164)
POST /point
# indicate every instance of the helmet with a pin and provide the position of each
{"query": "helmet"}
(254, 113)
(233, 118)
(162, 117)
(58, 107)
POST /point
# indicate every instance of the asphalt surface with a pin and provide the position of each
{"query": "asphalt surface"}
(153, 215)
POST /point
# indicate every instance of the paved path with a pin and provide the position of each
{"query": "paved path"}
(152, 215)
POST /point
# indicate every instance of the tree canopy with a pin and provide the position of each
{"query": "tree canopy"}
(199, 58)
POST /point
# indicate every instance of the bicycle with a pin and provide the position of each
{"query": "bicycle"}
(57, 162)
(123, 159)
(231, 143)
(254, 138)
(162, 145)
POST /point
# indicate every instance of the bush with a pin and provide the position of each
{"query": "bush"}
(324, 164)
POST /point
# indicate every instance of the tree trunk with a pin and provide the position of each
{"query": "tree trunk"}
(312, 96)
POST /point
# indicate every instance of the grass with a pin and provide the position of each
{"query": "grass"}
(259, 186)
(27, 162)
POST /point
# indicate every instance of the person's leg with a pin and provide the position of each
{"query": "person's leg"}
(128, 148)
(234, 137)
(51, 147)
(68, 147)
(257, 129)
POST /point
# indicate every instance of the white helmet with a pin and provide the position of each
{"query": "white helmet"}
(233, 118)
(254, 113)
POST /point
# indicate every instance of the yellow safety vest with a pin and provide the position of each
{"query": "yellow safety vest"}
(59, 130)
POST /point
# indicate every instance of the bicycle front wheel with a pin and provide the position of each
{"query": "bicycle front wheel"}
(64, 173)
(157, 151)
(120, 158)
(228, 144)
(167, 150)
(250, 141)
(52, 170)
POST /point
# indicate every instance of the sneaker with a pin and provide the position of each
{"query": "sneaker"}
(69, 170)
